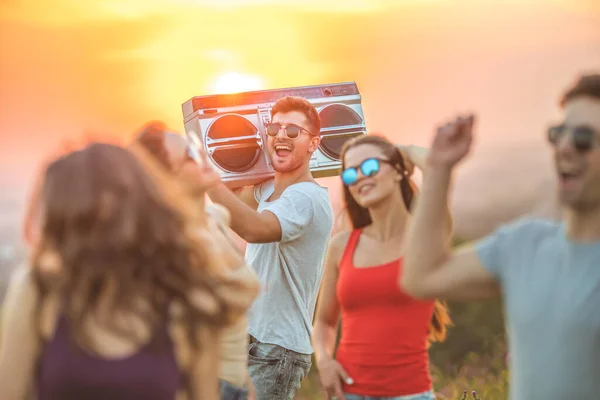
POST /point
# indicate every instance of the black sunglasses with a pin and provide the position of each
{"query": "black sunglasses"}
(291, 131)
(582, 137)
(369, 167)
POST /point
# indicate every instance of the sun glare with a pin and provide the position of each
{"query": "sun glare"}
(234, 82)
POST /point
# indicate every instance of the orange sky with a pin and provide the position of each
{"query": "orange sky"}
(69, 67)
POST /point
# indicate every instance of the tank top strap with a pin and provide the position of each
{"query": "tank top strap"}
(348, 254)
(61, 334)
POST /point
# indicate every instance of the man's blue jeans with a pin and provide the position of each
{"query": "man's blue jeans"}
(275, 371)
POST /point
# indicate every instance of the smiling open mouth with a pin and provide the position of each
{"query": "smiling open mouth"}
(365, 188)
(282, 149)
(569, 178)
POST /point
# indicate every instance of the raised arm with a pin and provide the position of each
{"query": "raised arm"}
(246, 195)
(326, 322)
(250, 225)
(431, 268)
(418, 156)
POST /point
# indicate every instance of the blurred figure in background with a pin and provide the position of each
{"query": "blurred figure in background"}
(383, 350)
(171, 151)
(125, 296)
(548, 271)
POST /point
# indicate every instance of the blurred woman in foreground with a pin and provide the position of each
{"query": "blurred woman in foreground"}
(125, 296)
(171, 150)
(383, 350)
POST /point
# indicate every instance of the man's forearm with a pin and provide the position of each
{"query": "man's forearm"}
(427, 237)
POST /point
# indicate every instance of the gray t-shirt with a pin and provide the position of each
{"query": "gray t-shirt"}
(551, 292)
(290, 271)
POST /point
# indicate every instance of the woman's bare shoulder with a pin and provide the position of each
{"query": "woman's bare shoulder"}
(340, 239)
(337, 244)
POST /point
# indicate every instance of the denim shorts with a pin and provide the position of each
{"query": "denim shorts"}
(232, 392)
(418, 396)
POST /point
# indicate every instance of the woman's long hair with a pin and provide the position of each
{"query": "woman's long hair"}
(118, 236)
(359, 216)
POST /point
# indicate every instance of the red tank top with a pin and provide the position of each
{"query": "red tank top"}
(383, 346)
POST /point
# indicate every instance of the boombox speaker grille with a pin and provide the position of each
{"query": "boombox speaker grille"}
(232, 143)
(339, 123)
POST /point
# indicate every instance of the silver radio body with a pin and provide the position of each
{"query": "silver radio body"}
(231, 127)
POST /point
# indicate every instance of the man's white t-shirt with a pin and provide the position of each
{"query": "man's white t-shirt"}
(290, 270)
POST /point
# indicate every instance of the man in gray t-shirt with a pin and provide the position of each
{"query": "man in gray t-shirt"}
(548, 272)
(551, 285)
(290, 269)
(287, 223)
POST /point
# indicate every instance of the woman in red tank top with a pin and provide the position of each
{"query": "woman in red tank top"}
(385, 334)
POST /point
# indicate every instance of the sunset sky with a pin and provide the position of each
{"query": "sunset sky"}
(70, 67)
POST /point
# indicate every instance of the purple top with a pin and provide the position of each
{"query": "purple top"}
(66, 372)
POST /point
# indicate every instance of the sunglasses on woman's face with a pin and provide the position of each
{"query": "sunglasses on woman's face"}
(369, 167)
(291, 131)
(583, 138)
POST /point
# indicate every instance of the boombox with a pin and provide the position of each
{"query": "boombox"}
(231, 128)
